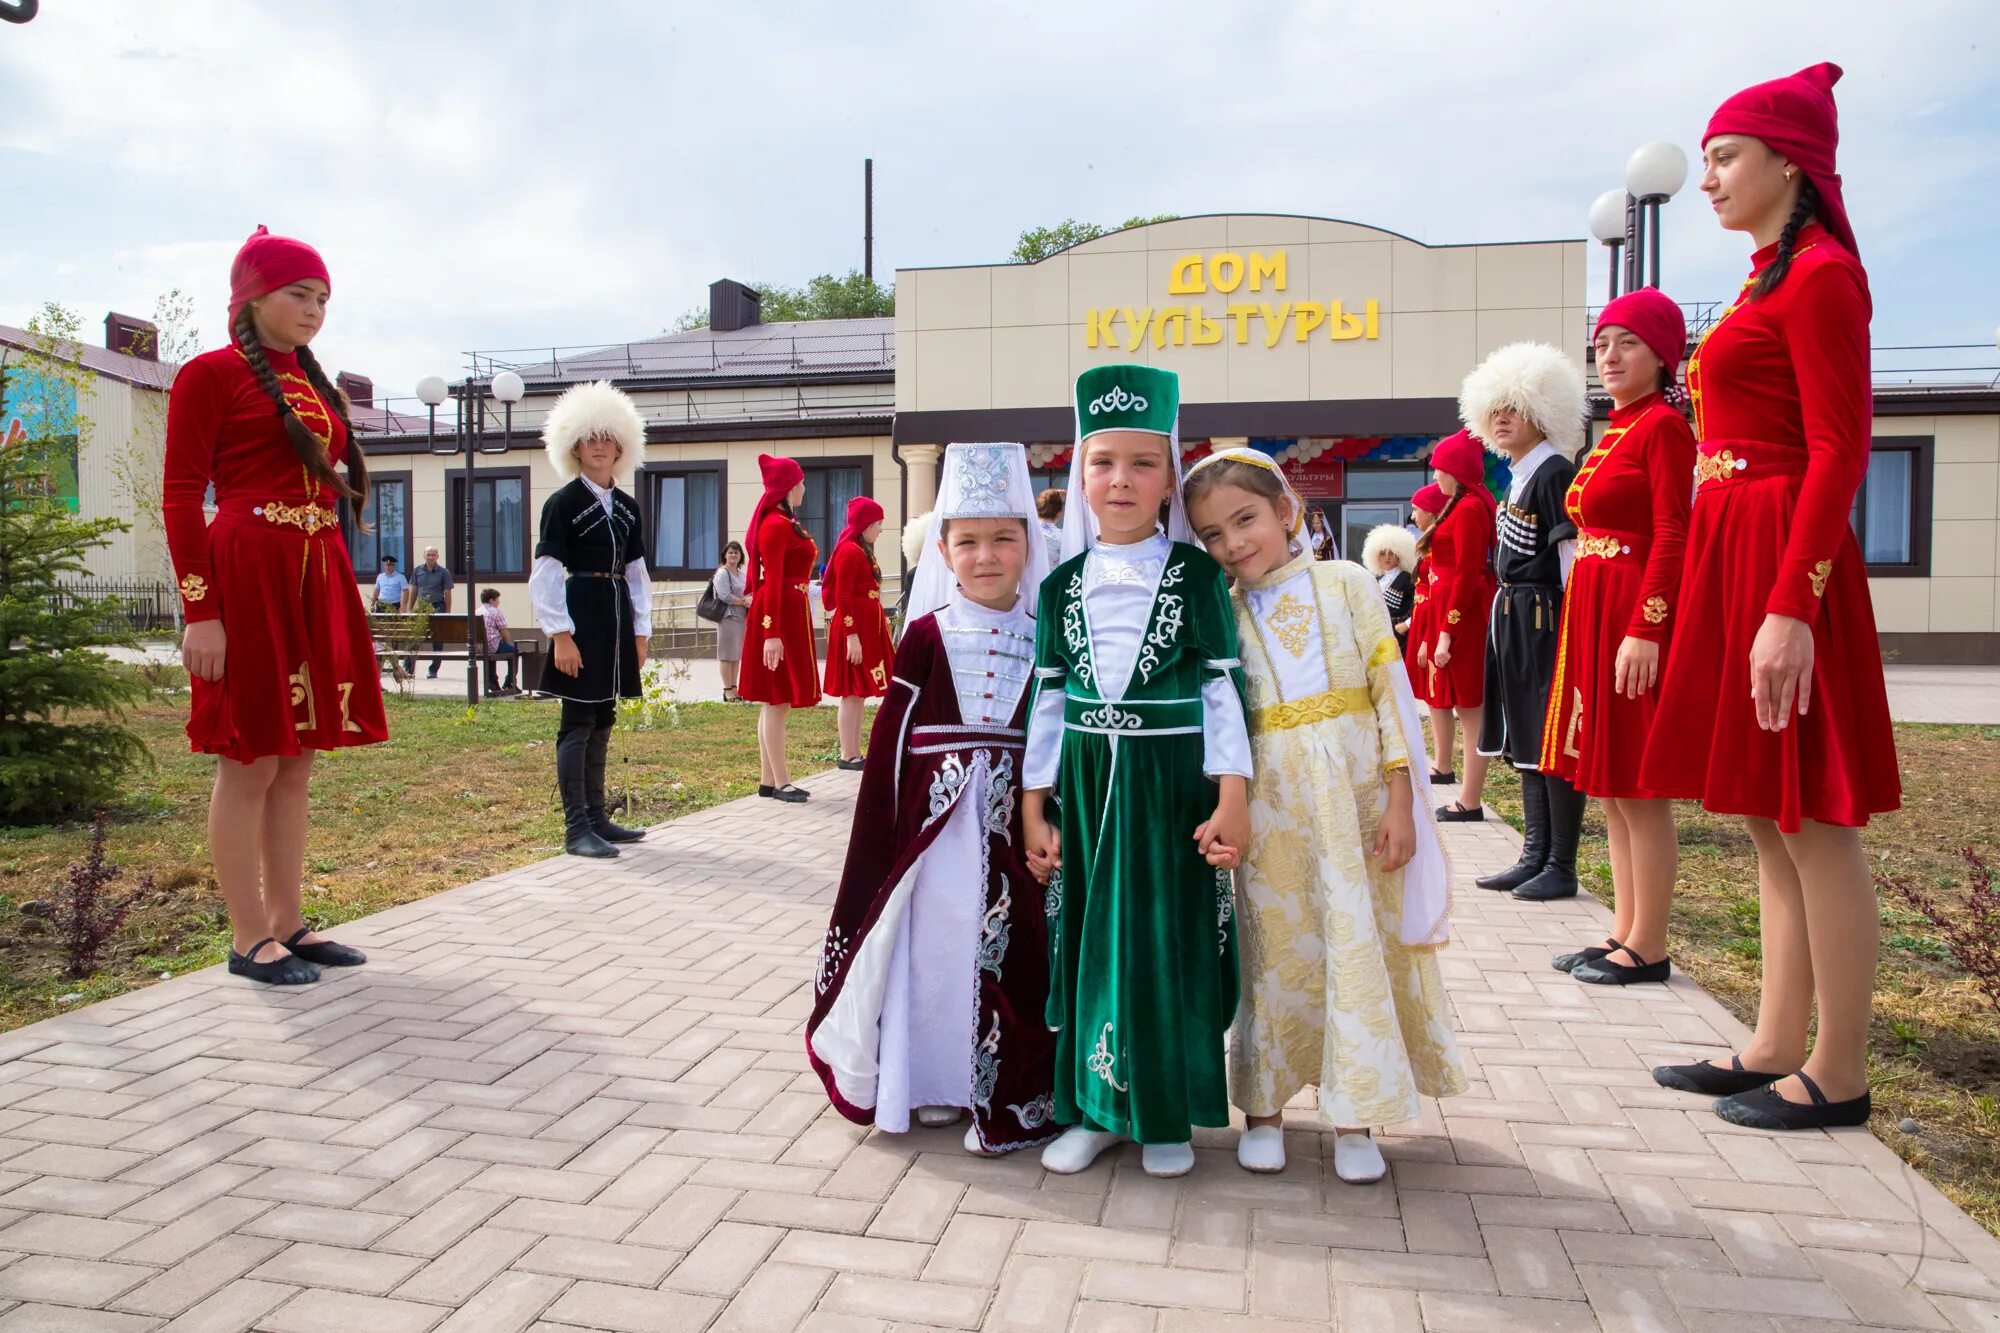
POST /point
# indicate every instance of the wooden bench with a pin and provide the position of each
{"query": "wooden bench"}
(409, 636)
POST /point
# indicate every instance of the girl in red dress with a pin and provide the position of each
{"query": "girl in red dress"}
(858, 653)
(1454, 662)
(1425, 506)
(1629, 502)
(1773, 705)
(277, 647)
(779, 669)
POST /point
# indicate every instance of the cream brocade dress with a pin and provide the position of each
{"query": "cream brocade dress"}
(1331, 996)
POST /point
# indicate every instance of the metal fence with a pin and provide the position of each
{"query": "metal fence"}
(147, 606)
(679, 632)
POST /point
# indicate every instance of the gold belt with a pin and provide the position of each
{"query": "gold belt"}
(311, 518)
(1600, 544)
(1321, 707)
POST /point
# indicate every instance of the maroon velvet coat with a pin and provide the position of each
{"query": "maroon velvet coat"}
(919, 754)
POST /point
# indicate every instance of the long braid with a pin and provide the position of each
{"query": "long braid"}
(304, 443)
(1781, 263)
(357, 461)
(1451, 503)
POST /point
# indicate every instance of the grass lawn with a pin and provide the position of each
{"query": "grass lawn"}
(1935, 1054)
(446, 801)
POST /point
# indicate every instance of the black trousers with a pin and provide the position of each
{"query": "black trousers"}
(1522, 639)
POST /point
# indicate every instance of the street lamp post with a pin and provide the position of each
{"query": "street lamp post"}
(1653, 175)
(469, 434)
(1607, 223)
(507, 389)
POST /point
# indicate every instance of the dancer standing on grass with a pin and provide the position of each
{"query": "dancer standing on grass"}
(859, 656)
(1630, 506)
(279, 658)
(1773, 704)
(779, 669)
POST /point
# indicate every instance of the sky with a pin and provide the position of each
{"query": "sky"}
(487, 174)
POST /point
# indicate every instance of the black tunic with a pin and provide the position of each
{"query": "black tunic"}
(594, 547)
(1400, 599)
(1526, 627)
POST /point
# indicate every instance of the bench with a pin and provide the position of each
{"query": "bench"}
(409, 636)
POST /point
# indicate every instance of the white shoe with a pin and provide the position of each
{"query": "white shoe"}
(1262, 1148)
(1167, 1159)
(936, 1117)
(1077, 1149)
(974, 1146)
(1357, 1160)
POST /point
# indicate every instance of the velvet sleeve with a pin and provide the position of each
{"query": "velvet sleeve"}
(195, 408)
(1471, 548)
(1826, 332)
(553, 539)
(838, 587)
(1670, 454)
(774, 544)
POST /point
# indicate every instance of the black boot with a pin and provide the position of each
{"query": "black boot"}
(1534, 838)
(572, 757)
(1558, 877)
(593, 790)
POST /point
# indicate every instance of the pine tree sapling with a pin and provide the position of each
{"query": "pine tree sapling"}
(1973, 937)
(86, 913)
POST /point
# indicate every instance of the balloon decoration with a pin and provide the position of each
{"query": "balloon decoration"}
(1347, 448)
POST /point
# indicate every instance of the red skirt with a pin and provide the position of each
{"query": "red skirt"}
(1835, 765)
(299, 670)
(846, 680)
(1595, 738)
(1461, 682)
(796, 681)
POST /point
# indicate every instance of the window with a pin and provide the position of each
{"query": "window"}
(500, 530)
(830, 484)
(1891, 516)
(685, 519)
(1383, 483)
(388, 513)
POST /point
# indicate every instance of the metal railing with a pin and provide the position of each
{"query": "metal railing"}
(756, 350)
(678, 630)
(405, 417)
(144, 605)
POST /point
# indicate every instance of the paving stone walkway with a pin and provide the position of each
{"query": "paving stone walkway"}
(574, 1097)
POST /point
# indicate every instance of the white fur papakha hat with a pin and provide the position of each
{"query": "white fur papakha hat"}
(1389, 537)
(1534, 379)
(589, 410)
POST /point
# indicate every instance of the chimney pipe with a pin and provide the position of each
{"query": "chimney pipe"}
(132, 336)
(360, 389)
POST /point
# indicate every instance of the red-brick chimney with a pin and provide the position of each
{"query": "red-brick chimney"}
(132, 336)
(360, 390)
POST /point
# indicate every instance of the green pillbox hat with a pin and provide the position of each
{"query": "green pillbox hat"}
(1126, 398)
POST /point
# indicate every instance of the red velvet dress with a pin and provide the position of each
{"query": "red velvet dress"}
(851, 591)
(1783, 408)
(299, 670)
(1629, 502)
(1460, 601)
(781, 609)
(1422, 631)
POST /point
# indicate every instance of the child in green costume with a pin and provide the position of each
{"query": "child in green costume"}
(1138, 725)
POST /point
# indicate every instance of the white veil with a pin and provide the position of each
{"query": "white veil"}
(1079, 531)
(978, 481)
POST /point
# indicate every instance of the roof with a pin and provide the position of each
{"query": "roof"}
(157, 375)
(800, 349)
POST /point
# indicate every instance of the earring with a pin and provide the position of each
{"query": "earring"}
(1788, 175)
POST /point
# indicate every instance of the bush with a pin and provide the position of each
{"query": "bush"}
(85, 914)
(1972, 938)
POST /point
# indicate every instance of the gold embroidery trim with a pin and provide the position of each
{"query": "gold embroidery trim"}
(847, 621)
(879, 674)
(1716, 466)
(1591, 543)
(1655, 608)
(194, 587)
(1575, 725)
(311, 518)
(302, 694)
(346, 688)
(767, 622)
(1818, 577)
(1289, 620)
(1452, 617)
(1322, 707)
(874, 595)
(1385, 653)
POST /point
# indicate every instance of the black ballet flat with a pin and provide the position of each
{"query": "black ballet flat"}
(1711, 1080)
(1443, 777)
(1566, 962)
(1456, 813)
(851, 765)
(291, 970)
(325, 953)
(1763, 1108)
(788, 793)
(1604, 972)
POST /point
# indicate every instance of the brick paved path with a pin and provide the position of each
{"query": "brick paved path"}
(574, 1097)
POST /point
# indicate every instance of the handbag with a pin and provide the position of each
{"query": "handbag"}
(709, 606)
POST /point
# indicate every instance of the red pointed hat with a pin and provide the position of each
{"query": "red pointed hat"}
(266, 263)
(1462, 458)
(1430, 498)
(1795, 116)
(1653, 316)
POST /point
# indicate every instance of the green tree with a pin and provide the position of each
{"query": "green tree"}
(856, 296)
(63, 748)
(140, 467)
(1038, 243)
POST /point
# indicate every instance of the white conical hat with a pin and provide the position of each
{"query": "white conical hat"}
(978, 481)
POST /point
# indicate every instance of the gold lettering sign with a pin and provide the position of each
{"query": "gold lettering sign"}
(1230, 274)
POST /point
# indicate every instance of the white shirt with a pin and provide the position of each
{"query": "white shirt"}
(992, 656)
(546, 583)
(1518, 477)
(1119, 587)
(1288, 617)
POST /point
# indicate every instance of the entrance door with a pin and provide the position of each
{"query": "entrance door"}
(1358, 516)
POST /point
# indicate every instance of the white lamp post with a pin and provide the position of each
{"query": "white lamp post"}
(1653, 175)
(1607, 223)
